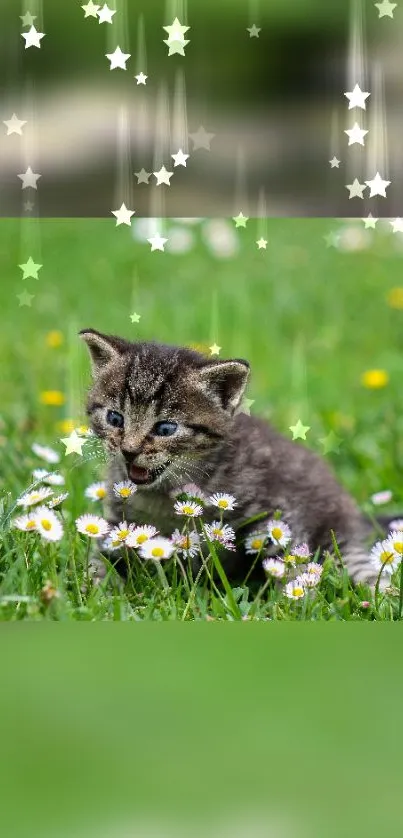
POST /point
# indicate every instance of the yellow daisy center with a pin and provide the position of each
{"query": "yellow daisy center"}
(46, 524)
(100, 493)
(92, 528)
(188, 510)
(298, 591)
(277, 533)
(30, 525)
(398, 545)
(35, 496)
(122, 535)
(257, 543)
(386, 557)
(157, 552)
(124, 493)
(186, 542)
(217, 532)
(223, 503)
(141, 538)
(115, 543)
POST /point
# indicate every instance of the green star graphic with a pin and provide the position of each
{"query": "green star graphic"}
(176, 47)
(30, 269)
(25, 299)
(331, 442)
(299, 431)
(240, 220)
(135, 317)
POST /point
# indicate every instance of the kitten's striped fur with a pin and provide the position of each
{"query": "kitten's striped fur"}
(214, 447)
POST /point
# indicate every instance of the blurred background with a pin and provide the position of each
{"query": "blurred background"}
(274, 104)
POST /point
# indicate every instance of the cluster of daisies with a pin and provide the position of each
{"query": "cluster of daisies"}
(272, 545)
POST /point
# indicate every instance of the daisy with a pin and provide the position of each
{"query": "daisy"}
(380, 498)
(139, 535)
(294, 590)
(187, 544)
(57, 500)
(308, 580)
(220, 532)
(274, 567)
(254, 543)
(45, 453)
(301, 551)
(396, 525)
(97, 491)
(92, 525)
(395, 541)
(223, 501)
(193, 491)
(52, 478)
(278, 532)
(25, 522)
(37, 496)
(48, 524)
(314, 568)
(125, 489)
(188, 508)
(157, 548)
(381, 554)
(111, 544)
(121, 532)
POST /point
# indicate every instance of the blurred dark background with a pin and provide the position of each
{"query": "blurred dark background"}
(275, 104)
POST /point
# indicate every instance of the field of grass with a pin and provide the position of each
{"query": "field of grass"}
(311, 319)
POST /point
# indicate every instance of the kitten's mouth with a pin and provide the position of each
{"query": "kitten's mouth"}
(145, 476)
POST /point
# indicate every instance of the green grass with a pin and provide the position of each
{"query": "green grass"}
(310, 320)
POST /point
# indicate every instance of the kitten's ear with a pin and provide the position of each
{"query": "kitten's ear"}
(102, 348)
(226, 380)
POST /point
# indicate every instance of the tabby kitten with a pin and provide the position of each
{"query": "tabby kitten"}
(168, 417)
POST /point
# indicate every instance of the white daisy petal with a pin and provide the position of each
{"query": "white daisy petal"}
(157, 549)
(26, 523)
(294, 590)
(34, 497)
(139, 535)
(274, 567)
(223, 501)
(48, 524)
(97, 491)
(255, 542)
(45, 453)
(125, 489)
(279, 532)
(383, 554)
(189, 509)
(186, 543)
(121, 532)
(92, 525)
(220, 532)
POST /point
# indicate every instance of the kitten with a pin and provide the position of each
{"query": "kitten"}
(168, 417)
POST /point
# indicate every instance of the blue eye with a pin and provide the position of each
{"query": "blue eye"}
(165, 428)
(115, 419)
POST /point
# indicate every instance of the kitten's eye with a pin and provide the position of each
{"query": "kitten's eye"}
(165, 428)
(115, 419)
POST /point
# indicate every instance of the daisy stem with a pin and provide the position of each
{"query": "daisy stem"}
(377, 586)
(192, 593)
(74, 571)
(401, 591)
(87, 565)
(253, 565)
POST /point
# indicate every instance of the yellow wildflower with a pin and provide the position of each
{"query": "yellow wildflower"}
(375, 379)
(54, 339)
(66, 426)
(54, 398)
(394, 298)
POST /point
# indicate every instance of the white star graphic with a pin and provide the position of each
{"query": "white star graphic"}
(29, 179)
(356, 189)
(28, 206)
(179, 158)
(356, 98)
(123, 215)
(14, 125)
(142, 176)
(215, 349)
(73, 444)
(157, 242)
(385, 8)
(118, 59)
(356, 134)
(90, 9)
(141, 78)
(377, 186)
(369, 222)
(334, 163)
(176, 31)
(30, 269)
(201, 139)
(254, 30)
(176, 47)
(397, 225)
(163, 176)
(32, 38)
(261, 243)
(27, 19)
(106, 14)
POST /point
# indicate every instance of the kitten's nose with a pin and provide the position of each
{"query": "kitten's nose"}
(131, 455)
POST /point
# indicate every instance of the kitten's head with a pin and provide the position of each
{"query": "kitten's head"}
(162, 407)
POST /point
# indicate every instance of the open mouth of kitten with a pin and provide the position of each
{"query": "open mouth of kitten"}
(144, 476)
